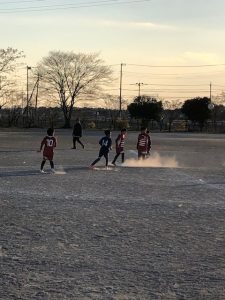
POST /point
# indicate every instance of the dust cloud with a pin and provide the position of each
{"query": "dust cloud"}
(60, 170)
(154, 160)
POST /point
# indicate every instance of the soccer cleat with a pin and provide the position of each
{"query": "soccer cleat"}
(42, 171)
(114, 164)
(53, 171)
(91, 167)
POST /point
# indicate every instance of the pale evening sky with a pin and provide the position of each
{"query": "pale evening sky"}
(155, 32)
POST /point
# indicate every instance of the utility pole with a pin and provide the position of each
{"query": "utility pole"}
(37, 85)
(139, 88)
(210, 91)
(28, 68)
(120, 98)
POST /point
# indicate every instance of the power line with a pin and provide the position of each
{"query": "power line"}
(219, 85)
(175, 74)
(173, 66)
(159, 84)
(68, 6)
(25, 1)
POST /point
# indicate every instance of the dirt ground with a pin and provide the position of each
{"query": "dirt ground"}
(132, 232)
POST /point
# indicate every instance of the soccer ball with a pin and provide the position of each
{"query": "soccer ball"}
(210, 106)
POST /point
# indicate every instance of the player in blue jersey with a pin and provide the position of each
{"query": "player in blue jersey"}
(106, 145)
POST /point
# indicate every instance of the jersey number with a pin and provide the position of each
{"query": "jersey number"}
(50, 143)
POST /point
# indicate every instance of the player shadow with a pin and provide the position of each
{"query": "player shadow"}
(19, 173)
(16, 151)
(74, 168)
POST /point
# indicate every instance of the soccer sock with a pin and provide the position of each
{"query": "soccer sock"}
(94, 162)
(80, 143)
(52, 164)
(74, 143)
(123, 157)
(115, 158)
(42, 164)
(106, 160)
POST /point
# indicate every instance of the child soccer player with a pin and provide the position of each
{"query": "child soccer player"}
(106, 144)
(120, 141)
(143, 143)
(49, 143)
(148, 133)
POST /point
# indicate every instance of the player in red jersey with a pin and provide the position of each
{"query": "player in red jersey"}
(120, 141)
(49, 143)
(143, 143)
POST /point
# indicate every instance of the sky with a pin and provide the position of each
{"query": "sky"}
(166, 45)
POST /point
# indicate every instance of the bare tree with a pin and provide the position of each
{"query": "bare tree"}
(111, 103)
(172, 111)
(71, 75)
(8, 62)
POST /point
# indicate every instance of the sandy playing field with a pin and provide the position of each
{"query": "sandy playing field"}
(152, 231)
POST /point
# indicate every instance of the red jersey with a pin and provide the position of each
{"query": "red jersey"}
(144, 143)
(120, 141)
(49, 143)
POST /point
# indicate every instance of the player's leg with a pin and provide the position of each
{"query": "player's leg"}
(106, 155)
(143, 156)
(123, 157)
(52, 165)
(115, 158)
(139, 155)
(79, 141)
(74, 143)
(97, 159)
(42, 165)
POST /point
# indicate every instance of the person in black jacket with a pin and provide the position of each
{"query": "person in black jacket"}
(77, 134)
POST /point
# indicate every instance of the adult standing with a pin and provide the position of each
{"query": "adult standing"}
(77, 134)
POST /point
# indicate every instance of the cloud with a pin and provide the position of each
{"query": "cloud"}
(59, 20)
(133, 25)
(200, 57)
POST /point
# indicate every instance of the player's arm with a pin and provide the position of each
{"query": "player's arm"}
(110, 144)
(42, 144)
(100, 141)
(117, 141)
(149, 144)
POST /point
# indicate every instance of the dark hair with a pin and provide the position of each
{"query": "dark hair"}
(50, 131)
(107, 132)
(143, 128)
(123, 129)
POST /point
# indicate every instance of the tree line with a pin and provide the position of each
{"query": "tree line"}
(64, 78)
(197, 110)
